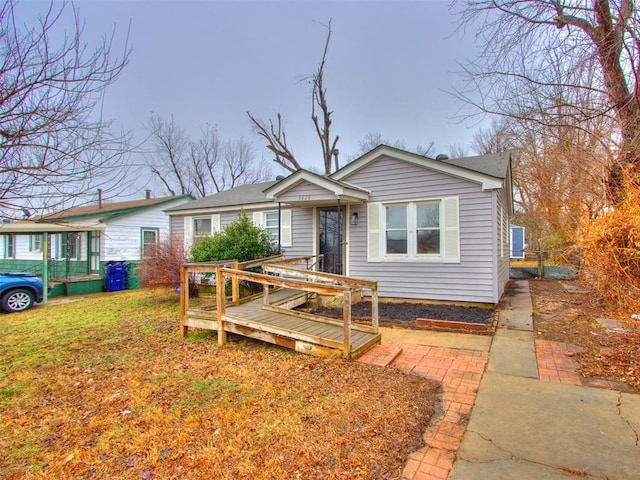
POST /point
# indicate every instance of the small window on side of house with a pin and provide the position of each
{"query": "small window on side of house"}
(149, 242)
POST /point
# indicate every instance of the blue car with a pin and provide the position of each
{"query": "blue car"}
(19, 291)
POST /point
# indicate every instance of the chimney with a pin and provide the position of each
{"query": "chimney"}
(99, 198)
(147, 194)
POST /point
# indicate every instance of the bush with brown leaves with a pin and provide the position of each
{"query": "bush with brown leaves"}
(611, 251)
(162, 268)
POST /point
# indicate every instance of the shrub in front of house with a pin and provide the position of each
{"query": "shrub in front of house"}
(240, 240)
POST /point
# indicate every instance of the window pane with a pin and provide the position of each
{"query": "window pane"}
(201, 227)
(271, 219)
(429, 241)
(397, 217)
(428, 215)
(397, 241)
(149, 236)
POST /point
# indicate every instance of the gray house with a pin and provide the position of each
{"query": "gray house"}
(423, 228)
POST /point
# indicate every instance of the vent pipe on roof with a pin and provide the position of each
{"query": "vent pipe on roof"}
(147, 194)
(442, 156)
(99, 198)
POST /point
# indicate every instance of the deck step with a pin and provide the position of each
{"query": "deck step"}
(382, 355)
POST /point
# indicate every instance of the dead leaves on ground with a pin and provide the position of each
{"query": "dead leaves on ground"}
(572, 318)
(110, 390)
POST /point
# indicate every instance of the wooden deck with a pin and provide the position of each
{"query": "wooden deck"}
(270, 317)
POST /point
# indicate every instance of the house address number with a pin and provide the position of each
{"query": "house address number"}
(302, 198)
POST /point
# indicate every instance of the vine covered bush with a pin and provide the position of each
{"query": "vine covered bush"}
(611, 252)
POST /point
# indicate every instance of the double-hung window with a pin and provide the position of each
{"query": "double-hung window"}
(149, 242)
(268, 221)
(428, 228)
(396, 229)
(35, 243)
(416, 230)
(201, 228)
(69, 246)
(9, 246)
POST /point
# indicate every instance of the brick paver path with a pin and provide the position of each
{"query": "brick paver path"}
(557, 363)
(460, 372)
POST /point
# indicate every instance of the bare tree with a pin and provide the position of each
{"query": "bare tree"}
(372, 139)
(457, 150)
(537, 52)
(53, 145)
(274, 134)
(201, 167)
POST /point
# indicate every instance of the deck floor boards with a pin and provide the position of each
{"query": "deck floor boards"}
(289, 325)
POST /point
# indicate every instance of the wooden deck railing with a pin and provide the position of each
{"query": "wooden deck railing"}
(279, 273)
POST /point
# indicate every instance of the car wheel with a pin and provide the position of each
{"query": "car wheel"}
(17, 300)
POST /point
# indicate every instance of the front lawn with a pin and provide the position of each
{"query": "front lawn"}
(107, 388)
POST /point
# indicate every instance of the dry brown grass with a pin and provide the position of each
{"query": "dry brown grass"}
(106, 388)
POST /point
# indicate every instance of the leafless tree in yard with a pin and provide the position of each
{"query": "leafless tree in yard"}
(537, 52)
(53, 144)
(274, 133)
(372, 139)
(199, 167)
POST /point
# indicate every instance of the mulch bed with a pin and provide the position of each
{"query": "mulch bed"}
(422, 316)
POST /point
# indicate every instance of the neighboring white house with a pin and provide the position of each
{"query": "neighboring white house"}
(128, 230)
(423, 228)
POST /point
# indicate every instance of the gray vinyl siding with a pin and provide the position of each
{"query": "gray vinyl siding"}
(305, 189)
(471, 280)
(301, 224)
(503, 255)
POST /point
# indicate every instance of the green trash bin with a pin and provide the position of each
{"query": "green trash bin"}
(132, 277)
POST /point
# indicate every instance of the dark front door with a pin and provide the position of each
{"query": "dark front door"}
(331, 241)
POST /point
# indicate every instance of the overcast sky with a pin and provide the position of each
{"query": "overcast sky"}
(388, 68)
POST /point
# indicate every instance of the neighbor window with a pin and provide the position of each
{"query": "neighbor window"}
(9, 246)
(35, 243)
(69, 246)
(149, 242)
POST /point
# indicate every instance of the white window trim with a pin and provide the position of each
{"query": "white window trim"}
(449, 232)
(189, 236)
(286, 230)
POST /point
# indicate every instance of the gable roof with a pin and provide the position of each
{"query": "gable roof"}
(108, 211)
(337, 188)
(494, 164)
(487, 170)
(243, 195)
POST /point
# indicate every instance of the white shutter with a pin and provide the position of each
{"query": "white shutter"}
(286, 233)
(451, 230)
(188, 234)
(215, 223)
(374, 237)
(258, 219)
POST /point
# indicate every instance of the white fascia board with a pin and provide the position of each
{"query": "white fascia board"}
(487, 182)
(328, 184)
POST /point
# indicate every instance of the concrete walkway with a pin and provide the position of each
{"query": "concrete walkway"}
(529, 416)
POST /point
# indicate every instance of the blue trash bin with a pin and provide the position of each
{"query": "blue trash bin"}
(115, 274)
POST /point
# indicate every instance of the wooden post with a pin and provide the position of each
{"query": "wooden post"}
(235, 286)
(184, 299)
(374, 307)
(220, 301)
(346, 318)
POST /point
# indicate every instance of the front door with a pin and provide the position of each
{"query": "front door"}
(331, 239)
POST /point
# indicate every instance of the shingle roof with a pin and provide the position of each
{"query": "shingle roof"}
(108, 209)
(494, 164)
(242, 195)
